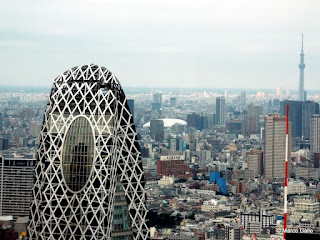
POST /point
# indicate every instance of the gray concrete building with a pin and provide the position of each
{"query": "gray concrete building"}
(16, 178)
(275, 146)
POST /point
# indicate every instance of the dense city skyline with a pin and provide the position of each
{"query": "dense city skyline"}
(206, 158)
(207, 128)
(188, 44)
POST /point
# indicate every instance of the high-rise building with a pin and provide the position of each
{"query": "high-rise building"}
(199, 122)
(16, 178)
(243, 98)
(157, 129)
(309, 108)
(302, 93)
(288, 92)
(4, 143)
(89, 180)
(220, 111)
(206, 122)
(1, 122)
(295, 116)
(300, 114)
(253, 119)
(194, 120)
(275, 146)
(173, 102)
(157, 101)
(121, 223)
(315, 133)
(236, 126)
(176, 144)
(244, 118)
(316, 160)
(255, 162)
(131, 106)
(279, 91)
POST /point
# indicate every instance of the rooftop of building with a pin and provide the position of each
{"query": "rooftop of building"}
(169, 122)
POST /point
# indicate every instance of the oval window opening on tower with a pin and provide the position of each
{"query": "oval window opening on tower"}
(78, 153)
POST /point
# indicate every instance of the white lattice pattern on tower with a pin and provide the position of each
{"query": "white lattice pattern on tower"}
(88, 143)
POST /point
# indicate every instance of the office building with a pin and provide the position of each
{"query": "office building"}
(194, 120)
(16, 178)
(315, 134)
(89, 180)
(305, 208)
(236, 127)
(279, 91)
(174, 144)
(264, 220)
(1, 122)
(221, 182)
(173, 102)
(131, 106)
(309, 108)
(300, 114)
(295, 116)
(4, 143)
(253, 119)
(200, 122)
(157, 129)
(220, 111)
(316, 160)
(255, 162)
(206, 122)
(275, 146)
(244, 118)
(243, 98)
(173, 166)
(296, 187)
(240, 186)
(157, 101)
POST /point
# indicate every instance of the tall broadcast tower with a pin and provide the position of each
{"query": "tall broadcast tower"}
(302, 93)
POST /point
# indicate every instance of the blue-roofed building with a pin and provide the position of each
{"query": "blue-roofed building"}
(221, 182)
(214, 176)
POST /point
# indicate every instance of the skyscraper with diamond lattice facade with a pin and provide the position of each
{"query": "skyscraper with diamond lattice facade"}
(89, 181)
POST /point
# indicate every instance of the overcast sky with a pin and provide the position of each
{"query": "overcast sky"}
(213, 44)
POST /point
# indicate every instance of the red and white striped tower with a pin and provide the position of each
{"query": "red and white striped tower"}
(286, 178)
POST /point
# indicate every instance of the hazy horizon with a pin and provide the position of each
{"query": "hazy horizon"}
(215, 45)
